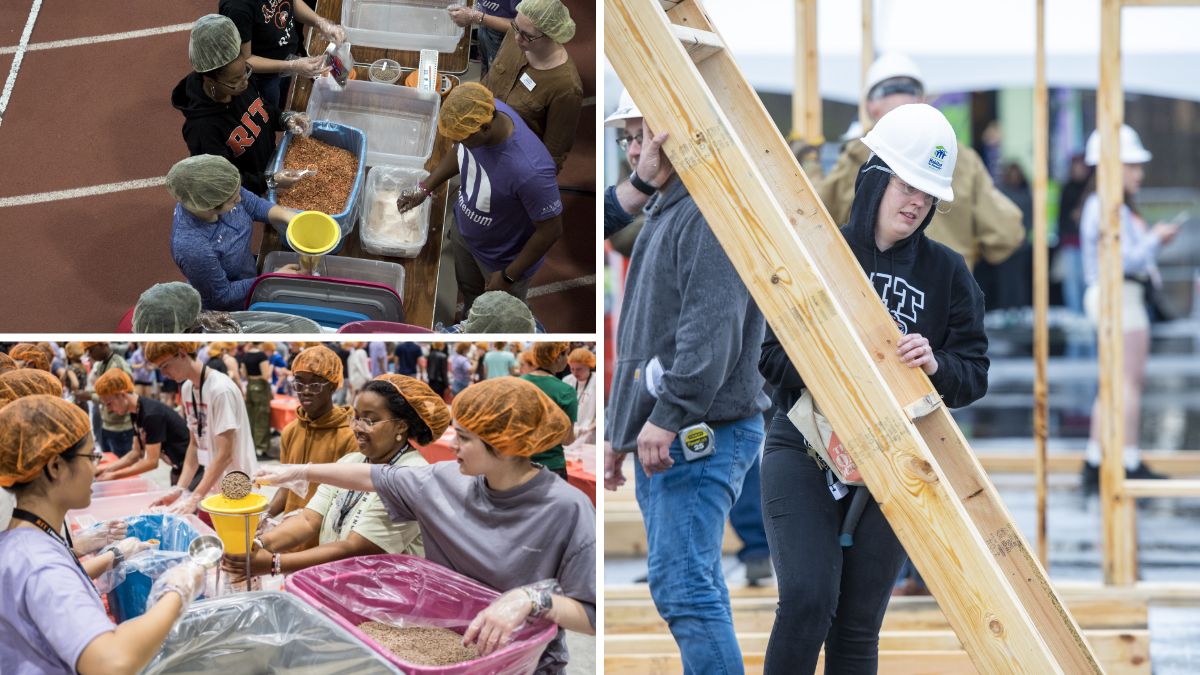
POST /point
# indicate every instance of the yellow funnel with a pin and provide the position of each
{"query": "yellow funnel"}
(313, 232)
(232, 518)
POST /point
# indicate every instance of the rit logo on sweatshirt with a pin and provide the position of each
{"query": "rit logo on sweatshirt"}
(902, 301)
(244, 135)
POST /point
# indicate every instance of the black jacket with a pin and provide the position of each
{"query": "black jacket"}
(926, 287)
(242, 131)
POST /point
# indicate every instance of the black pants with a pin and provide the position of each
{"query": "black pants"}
(827, 595)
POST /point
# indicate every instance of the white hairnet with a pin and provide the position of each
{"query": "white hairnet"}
(215, 43)
(166, 308)
(203, 182)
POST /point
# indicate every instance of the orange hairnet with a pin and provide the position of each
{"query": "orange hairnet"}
(33, 430)
(462, 348)
(7, 363)
(89, 345)
(23, 382)
(31, 354)
(546, 353)
(526, 358)
(157, 352)
(75, 350)
(114, 381)
(320, 361)
(583, 357)
(511, 415)
(430, 407)
(465, 110)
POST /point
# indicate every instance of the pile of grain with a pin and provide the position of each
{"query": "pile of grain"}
(235, 485)
(328, 191)
(419, 645)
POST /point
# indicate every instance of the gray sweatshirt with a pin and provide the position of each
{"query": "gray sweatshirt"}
(685, 304)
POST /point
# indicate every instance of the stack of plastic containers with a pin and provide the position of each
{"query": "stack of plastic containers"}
(408, 25)
(338, 134)
(400, 123)
(363, 269)
(385, 231)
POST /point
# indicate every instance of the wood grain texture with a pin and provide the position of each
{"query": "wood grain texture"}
(779, 237)
(806, 95)
(866, 58)
(1041, 278)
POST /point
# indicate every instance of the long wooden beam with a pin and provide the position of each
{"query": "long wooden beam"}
(806, 95)
(865, 59)
(1041, 278)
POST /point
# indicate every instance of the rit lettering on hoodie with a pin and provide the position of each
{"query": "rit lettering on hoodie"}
(244, 135)
(903, 302)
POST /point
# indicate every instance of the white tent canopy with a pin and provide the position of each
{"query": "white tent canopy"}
(966, 45)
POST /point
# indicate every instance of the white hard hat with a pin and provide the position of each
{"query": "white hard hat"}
(1132, 150)
(918, 143)
(890, 65)
(626, 109)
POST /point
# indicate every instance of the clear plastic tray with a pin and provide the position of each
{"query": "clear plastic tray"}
(107, 508)
(384, 185)
(360, 269)
(135, 485)
(400, 122)
(410, 25)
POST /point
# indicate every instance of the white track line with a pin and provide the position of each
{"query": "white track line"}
(59, 195)
(96, 39)
(559, 286)
(20, 54)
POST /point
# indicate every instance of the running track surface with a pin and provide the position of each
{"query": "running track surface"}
(94, 117)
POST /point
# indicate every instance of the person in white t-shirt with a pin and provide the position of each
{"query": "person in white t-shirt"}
(216, 416)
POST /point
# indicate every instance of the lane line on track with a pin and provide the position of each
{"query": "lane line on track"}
(19, 52)
(96, 39)
(560, 286)
(75, 193)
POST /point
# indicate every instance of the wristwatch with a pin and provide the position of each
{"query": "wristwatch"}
(641, 185)
(118, 557)
(540, 601)
(270, 176)
(504, 274)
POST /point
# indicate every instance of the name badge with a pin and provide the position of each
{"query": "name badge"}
(528, 81)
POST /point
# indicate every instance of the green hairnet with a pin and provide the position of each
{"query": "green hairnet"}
(166, 308)
(203, 182)
(215, 43)
(498, 312)
(551, 17)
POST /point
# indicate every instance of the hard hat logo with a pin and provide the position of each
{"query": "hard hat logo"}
(935, 159)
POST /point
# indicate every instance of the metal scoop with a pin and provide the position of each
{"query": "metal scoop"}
(206, 551)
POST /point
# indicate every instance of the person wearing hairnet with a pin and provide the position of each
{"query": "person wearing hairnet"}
(494, 516)
(15, 384)
(29, 355)
(535, 76)
(224, 113)
(159, 432)
(548, 359)
(51, 614)
(217, 423)
(271, 42)
(175, 307)
(339, 523)
(833, 591)
(493, 17)
(509, 211)
(980, 223)
(582, 363)
(7, 363)
(114, 432)
(213, 227)
(496, 312)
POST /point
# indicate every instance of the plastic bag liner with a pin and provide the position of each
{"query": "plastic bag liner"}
(274, 323)
(341, 136)
(404, 590)
(175, 534)
(264, 632)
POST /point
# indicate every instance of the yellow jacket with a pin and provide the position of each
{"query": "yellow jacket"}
(980, 221)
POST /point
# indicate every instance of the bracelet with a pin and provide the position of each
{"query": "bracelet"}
(641, 185)
(275, 564)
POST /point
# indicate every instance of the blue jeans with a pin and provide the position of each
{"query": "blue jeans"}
(117, 442)
(489, 46)
(684, 509)
(747, 517)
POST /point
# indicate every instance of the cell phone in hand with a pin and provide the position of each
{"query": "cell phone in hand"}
(1181, 217)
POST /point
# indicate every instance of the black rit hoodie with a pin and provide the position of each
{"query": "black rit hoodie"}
(242, 131)
(926, 288)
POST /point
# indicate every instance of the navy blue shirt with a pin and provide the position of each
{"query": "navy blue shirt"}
(216, 257)
(407, 354)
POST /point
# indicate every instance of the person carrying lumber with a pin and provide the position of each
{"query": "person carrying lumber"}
(833, 590)
(980, 223)
(624, 201)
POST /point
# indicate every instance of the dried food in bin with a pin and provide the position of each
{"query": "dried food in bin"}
(329, 190)
(420, 645)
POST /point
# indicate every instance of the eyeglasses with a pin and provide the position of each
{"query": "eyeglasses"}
(627, 141)
(910, 191)
(367, 424)
(311, 388)
(96, 456)
(235, 85)
(525, 36)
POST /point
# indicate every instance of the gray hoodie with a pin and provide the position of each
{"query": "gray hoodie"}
(685, 304)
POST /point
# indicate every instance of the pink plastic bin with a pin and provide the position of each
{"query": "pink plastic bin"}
(405, 590)
(125, 486)
(381, 327)
(107, 508)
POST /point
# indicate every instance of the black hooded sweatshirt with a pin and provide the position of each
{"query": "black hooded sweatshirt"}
(242, 131)
(926, 287)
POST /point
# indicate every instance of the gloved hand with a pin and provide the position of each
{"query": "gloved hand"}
(99, 535)
(286, 178)
(331, 31)
(171, 497)
(283, 473)
(412, 197)
(186, 579)
(297, 123)
(493, 627)
(131, 546)
(465, 16)
(186, 505)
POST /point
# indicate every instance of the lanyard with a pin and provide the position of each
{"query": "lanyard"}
(22, 514)
(351, 498)
(196, 406)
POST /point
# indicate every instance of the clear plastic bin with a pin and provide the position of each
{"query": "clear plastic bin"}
(384, 185)
(410, 25)
(360, 269)
(341, 136)
(107, 508)
(126, 486)
(400, 122)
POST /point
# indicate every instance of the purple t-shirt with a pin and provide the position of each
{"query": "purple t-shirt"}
(506, 9)
(49, 611)
(505, 189)
(378, 353)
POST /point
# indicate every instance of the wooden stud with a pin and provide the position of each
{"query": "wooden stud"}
(841, 343)
(1136, 489)
(866, 58)
(1160, 3)
(806, 95)
(1041, 279)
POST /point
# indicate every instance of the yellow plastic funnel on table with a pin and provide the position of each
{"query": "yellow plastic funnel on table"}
(312, 234)
(232, 517)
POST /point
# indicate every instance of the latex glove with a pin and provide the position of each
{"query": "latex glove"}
(286, 178)
(131, 546)
(170, 498)
(297, 123)
(283, 473)
(412, 198)
(331, 31)
(186, 579)
(614, 473)
(310, 66)
(186, 506)
(654, 448)
(493, 627)
(99, 535)
(465, 16)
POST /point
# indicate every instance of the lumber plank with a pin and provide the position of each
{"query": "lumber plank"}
(1041, 280)
(1162, 488)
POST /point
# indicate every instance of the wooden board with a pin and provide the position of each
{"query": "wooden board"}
(791, 257)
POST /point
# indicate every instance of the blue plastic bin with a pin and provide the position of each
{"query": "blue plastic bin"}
(175, 533)
(341, 136)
